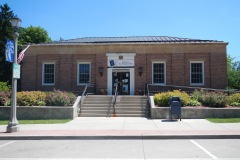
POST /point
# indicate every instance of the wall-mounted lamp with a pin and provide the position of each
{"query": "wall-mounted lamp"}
(100, 70)
(140, 71)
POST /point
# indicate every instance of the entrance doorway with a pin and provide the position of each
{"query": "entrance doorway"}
(122, 80)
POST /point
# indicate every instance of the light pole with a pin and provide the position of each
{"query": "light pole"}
(13, 122)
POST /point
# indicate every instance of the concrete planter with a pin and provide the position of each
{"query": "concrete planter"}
(195, 112)
(41, 112)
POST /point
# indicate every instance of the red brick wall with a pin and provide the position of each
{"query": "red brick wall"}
(176, 56)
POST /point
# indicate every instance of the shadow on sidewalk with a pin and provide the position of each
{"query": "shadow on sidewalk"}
(169, 120)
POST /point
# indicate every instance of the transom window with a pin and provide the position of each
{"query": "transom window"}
(48, 75)
(197, 73)
(84, 73)
(159, 73)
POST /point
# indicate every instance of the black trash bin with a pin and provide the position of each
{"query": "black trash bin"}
(175, 107)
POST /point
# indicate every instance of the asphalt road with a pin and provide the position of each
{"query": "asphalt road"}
(121, 149)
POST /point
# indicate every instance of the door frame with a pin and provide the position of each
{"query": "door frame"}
(113, 70)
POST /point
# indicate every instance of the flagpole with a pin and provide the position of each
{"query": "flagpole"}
(13, 122)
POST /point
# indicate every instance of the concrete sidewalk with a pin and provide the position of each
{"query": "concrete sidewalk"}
(125, 128)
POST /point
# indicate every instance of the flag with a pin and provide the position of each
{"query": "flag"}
(21, 55)
(9, 52)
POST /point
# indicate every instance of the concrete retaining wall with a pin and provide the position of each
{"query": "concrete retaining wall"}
(195, 112)
(45, 112)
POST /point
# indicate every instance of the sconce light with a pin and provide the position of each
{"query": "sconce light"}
(100, 70)
(140, 71)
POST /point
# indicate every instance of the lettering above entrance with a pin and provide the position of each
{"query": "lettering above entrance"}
(121, 63)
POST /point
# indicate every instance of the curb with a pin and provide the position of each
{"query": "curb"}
(120, 137)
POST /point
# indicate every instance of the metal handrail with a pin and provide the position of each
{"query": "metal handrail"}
(187, 89)
(82, 98)
(115, 98)
(148, 95)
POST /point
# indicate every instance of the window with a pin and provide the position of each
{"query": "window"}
(159, 73)
(84, 73)
(48, 75)
(197, 73)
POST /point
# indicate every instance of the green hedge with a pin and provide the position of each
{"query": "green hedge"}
(234, 100)
(38, 98)
(199, 98)
(210, 99)
(162, 99)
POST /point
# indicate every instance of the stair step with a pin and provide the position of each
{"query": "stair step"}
(92, 115)
(126, 106)
(130, 115)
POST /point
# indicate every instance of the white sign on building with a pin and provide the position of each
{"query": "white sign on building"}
(121, 63)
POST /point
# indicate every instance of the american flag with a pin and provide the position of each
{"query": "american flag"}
(21, 55)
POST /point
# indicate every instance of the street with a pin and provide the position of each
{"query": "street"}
(121, 149)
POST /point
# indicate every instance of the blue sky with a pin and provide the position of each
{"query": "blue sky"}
(199, 19)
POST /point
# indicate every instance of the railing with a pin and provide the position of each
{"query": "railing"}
(147, 94)
(113, 101)
(152, 89)
(82, 99)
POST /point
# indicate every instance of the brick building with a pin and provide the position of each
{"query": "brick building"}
(129, 62)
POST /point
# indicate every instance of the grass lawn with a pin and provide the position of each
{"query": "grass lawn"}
(48, 121)
(224, 120)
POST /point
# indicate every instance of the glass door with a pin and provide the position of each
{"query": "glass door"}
(122, 80)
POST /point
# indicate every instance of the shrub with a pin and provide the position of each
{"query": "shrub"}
(4, 87)
(194, 102)
(5, 99)
(162, 99)
(60, 98)
(234, 100)
(33, 98)
(210, 99)
(5, 93)
(198, 95)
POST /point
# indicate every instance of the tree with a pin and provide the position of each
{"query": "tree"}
(26, 35)
(33, 35)
(233, 71)
(6, 32)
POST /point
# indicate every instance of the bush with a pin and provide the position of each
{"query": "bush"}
(5, 87)
(33, 98)
(234, 100)
(162, 99)
(5, 93)
(194, 102)
(5, 99)
(60, 98)
(215, 99)
(210, 99)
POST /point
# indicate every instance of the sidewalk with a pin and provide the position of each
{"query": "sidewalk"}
(125, 128)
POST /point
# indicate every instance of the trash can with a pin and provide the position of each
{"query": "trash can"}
(175, 107)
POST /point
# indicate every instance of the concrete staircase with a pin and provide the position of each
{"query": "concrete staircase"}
(132, 106)
(96, 106)
(126, 106)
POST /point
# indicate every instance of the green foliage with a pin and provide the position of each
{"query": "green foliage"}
(224, 120)
(5, 94)
(33, 35)
(5, 98)
(210, 99)
(60, 98)
(234, 100)
(33, 98)
(233, 71)
(6, 32)
(33, 121)
(162, 99)
(194, 102)
(4, 86)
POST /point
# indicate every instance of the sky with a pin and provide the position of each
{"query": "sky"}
(197, 19)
